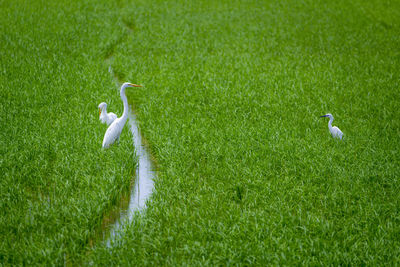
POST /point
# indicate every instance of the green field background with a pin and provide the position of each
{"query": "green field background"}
(248, 173)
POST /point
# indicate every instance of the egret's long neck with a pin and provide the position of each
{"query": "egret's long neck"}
(125, 101)
(330, 123)
(104, 111)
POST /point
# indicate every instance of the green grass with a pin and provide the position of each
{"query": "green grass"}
(233, 91)
(56, 181)
(248, 171)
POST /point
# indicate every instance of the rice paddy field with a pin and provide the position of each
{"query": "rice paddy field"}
(248, 173)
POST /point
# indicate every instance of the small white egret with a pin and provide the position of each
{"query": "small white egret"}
(104, 116)
(335, 131)
(114, 130)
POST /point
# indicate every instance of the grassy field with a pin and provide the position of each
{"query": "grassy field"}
(56, 182)
(233, 91)
(248, 171)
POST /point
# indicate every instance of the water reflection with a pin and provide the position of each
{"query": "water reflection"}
(143, 185)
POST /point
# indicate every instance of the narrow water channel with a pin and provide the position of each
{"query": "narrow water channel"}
(144, 179)
(143, 186)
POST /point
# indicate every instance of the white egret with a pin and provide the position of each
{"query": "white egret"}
(104, 116)
(335, 131)
(114, 130)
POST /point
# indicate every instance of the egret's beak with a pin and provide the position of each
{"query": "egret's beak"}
(323, 116)
(99, 112)
(135, 85)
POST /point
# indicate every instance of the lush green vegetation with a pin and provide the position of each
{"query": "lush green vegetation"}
(56, 182)
(248, 173)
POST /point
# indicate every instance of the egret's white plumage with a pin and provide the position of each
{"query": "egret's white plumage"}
(335, 131)
(114, 130)
(104, 116)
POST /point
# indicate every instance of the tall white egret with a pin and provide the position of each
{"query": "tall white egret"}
(104, 116)
(114, 130)
(335, 131)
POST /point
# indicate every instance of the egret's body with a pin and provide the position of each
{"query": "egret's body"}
(114, 130)
(104, 116)
(335, 131)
